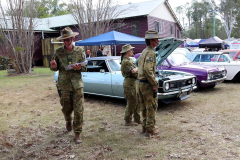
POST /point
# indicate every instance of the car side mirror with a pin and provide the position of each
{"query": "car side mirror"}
(102, 70)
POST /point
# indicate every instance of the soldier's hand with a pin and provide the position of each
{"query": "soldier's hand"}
(53, 64)
(134, 70)
(76, 66)
(155, 88)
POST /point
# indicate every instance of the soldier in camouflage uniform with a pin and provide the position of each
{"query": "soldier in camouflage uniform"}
(130, 72)
(148, 84)
(70, 81)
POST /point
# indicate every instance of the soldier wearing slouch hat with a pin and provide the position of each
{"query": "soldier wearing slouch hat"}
(70, 81)
(148, 84)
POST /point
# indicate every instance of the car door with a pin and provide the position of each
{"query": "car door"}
(117, 78)
(97, 79)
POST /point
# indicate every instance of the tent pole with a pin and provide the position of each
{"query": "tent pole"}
(115, 51)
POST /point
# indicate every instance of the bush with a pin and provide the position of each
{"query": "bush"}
(4, 61)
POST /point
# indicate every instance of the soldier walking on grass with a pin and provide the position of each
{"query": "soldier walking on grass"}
(148, 84)
(130, 73)
(70, 81)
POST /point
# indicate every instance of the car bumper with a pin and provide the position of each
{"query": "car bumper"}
(214, 81)
(178, 92)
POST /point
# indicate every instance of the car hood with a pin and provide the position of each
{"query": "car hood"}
(195, 66)
(165, 47)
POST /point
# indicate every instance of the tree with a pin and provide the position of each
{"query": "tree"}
(228, 10)
(96, 18)
(17, 33)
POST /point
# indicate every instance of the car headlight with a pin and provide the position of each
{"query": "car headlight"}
(224, 73)
(193, 81)
(167, 86)
(209, 76)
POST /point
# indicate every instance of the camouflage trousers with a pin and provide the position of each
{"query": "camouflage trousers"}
(72, 101)
(148, 105)
(132, 108)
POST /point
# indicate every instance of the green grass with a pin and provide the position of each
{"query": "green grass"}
(204, 126)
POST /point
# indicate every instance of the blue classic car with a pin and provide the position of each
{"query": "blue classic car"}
(104, 78)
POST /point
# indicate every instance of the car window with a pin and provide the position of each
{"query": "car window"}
(115, 64)
(178, 59)
(197, 58)
(225, 58)
(96, 65)
(209, 58)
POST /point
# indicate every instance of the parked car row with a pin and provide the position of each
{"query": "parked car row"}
(176, 74)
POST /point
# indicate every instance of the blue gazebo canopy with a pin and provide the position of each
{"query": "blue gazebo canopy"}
(111, 38)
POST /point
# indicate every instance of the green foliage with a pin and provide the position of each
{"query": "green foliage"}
(4, 61)
(18, 49)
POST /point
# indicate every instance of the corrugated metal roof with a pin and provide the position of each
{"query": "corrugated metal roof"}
(138, 9)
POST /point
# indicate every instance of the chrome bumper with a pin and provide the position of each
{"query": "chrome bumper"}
(178, 92)
(216, 80)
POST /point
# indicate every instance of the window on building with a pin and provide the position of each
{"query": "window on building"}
(161, 27)
(177, 33)
(135, 29)
(172, 30)
(117, 27)
(157, 26)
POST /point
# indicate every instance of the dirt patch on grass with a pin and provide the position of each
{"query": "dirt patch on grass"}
(205, 126)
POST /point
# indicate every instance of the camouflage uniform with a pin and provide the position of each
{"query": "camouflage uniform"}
(147, 80)
(130, 90)
(70, 84)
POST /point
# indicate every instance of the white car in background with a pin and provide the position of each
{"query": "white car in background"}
(220, 59)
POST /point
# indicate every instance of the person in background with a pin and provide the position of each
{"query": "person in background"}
(206, 49)
(148, 85)
(99, 52)
(88, 54)
(70, 81)
(130, 73)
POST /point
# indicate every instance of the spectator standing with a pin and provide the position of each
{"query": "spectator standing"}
(99, 52)
(88, 55)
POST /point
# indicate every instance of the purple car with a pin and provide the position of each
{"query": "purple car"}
(207, 76)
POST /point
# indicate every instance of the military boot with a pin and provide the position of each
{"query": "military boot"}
(139, 121)
(152, 133)
(77, 138)
(130, 123)
(69, 126)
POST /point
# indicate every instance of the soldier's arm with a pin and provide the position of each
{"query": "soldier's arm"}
(57, 61)
(148, 68)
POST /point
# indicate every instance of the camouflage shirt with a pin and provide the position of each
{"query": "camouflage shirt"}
(147, 66)
(69, 79)
(126, 68)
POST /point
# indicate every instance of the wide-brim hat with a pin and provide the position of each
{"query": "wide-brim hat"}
(67, 33)
(126, 48)
(151, 34)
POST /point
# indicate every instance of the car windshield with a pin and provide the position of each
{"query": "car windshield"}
(178, 59)
(115, 64)
(213, 58)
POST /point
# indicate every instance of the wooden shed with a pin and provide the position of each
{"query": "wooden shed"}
(49, 45)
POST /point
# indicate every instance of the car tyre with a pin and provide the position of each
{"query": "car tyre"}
(198, 87)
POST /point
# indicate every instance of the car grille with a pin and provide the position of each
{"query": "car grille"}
(217, 75)
(180, 84)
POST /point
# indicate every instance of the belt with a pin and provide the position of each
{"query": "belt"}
(143, 81)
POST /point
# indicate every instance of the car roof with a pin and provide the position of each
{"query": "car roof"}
(230, 50)
(210, 52)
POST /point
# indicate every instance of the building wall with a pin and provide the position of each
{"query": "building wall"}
(166, 32)
(162, 12)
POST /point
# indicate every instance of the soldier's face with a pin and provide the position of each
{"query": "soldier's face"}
(68, 42)
(155, 42)
(130, 52)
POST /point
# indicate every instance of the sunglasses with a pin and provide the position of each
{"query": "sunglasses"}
(67, 40)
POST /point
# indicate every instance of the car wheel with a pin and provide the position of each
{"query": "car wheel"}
(198, 87)
(212, 86)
